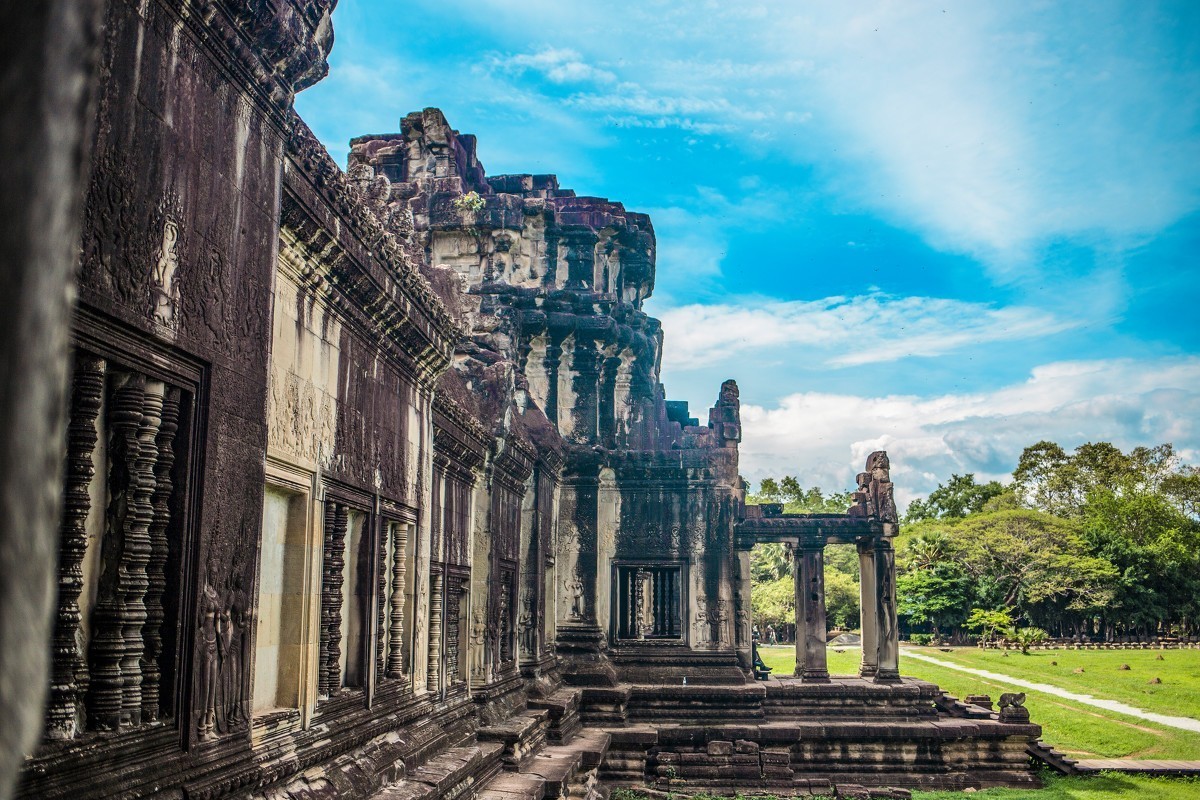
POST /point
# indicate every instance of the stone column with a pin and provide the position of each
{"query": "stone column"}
(811, 662)
(585, 379)
(888, 665)
(742, 611)
(866, 602)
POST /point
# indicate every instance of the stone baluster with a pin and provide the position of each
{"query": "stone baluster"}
(323, 686)
(137, 553)
(69, 671)
(329, 676)
(811, 661)
(159, 552)
(382, 580)
(108, 645)
(435, 631)
(888, 668)
(867, 609)
(396, 633)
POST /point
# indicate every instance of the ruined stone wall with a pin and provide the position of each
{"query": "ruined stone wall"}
(551, 286)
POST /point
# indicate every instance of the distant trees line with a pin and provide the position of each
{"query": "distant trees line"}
(1097, 543)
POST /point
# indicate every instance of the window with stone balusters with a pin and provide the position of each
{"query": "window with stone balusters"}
(649, 602)
(124, 527)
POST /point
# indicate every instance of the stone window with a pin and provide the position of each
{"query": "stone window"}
(123, 529)
(279, 649)
(649, 602)
(345, 598)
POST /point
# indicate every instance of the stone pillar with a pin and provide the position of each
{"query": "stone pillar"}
(811, 661)
(742, 611)
(551, 364)
(866, 603)
(609, 367)
(888, 665)
(585, 380)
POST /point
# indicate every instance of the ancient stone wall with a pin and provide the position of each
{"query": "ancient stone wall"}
(164, 497)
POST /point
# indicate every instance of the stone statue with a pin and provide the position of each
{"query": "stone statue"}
(166, 291)
(881, 502)
(209, 666)
(719, 619)
(861, 499)
(1012, 708)
(234, 644)
(577, 609)
(478, 641)
(703, 624)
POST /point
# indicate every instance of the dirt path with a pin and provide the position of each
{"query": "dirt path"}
(1183, 723)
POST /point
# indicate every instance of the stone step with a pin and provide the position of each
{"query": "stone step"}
(513, 786)
(569, 769)
(563, 706)
(521, 734)
(1052, 758)
(555, 771)
(449, 775)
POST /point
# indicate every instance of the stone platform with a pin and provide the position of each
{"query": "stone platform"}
(800, 737)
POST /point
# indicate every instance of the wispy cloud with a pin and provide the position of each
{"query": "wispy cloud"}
(559, 65)
(846, 331)
(826, 437)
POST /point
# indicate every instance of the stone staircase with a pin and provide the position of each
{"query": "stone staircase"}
(1059, 762)
(541, 753)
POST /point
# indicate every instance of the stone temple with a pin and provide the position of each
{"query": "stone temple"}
(371, 489)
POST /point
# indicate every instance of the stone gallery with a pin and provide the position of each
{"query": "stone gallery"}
(371, 488)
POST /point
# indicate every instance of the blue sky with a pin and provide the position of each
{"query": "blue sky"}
(947, 229)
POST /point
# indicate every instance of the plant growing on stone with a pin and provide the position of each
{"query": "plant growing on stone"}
(471, 202)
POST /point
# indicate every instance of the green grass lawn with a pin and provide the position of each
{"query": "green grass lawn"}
(1179, 671)
(1076, 729)
(1107, 786)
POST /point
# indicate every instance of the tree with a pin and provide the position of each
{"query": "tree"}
(955, 499)
(770, 562)
(774, 602)
(768, 491)
(988, 623)
(841, 600)
(1037, 565)
(939, 595)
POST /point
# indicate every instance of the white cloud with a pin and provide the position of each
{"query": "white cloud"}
(846, 331)
(994, 130)
(825, 438)
(558, 65)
